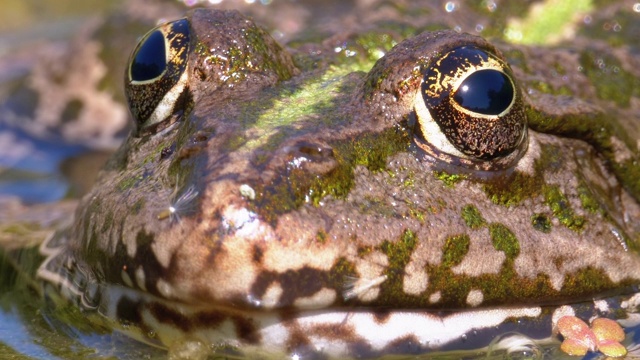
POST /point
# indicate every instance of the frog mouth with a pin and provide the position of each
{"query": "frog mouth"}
(340, 332)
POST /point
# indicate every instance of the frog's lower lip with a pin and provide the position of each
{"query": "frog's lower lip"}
(336, 332)
(343, 333)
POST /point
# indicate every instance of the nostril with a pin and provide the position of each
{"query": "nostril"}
(314, 150)
(315, 157)
(201, 136)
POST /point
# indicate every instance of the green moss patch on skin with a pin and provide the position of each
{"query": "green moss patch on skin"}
(108, 222)
(375, 44)
(628, 173)
(472, 217)
(154, 155)
(127, 183)
(321, 236)
(19, 229)
(399, 253)
(506, 287)
(416, 213)
(454, 250)
(504, 240)
(501, 288)
(450, 180)
(587, 199)
(341, 270)
(370, 150)
(314, 101)
(561, 208)
(296, 186)
(547, 88)
(511, 191)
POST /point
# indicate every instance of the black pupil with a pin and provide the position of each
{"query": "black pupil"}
(486, 92)
(150, 59)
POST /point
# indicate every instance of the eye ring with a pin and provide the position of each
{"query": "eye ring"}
(469, 110)
(156, 76)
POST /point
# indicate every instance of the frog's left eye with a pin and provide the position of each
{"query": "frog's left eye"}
(156, 77)
(469, 109)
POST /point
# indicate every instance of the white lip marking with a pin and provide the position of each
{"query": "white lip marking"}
(430, 330)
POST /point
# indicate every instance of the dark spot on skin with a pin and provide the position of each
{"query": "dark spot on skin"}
(339, 333)
(128, 311)
(246, 330)
(71, 111)
(332, 332)
(200, 74)
(208, 318)
(321, 157)
(541, 222)
(295, 284)
(258, 254)
(381, 315)
(558, 262)
(202, 319)
(145, 257)
(168, 316)
(166, 152)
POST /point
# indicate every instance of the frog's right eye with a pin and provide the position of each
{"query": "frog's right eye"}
(156, 77)
(470, 111)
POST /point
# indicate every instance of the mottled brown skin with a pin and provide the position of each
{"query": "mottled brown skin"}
(346, 211)
(201, 247)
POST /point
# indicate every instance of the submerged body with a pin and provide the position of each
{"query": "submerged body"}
(296, 204)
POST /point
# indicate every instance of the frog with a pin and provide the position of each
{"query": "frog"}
(387, 210)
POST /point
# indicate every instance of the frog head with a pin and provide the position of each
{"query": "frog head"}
(262, 201)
